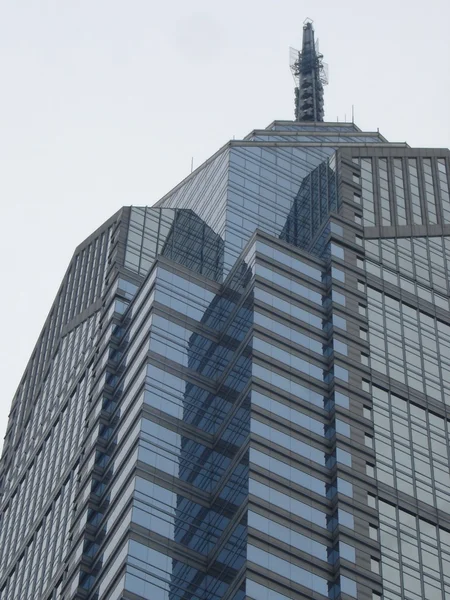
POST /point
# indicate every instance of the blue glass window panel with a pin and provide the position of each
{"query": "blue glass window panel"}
(154, 508)
(235, 218)
(345, 518)
(339, 322)
(172, 515)
(288, 536)
(288, 442)
(288, 570)
(288, 413)
(166, 438)
(342, 427)
(290, 309)
(236, 159)
(289, 284)
(120, 306)
(344, 487)
(234, 177)
(341, 400)
(291, 262)
(182, 345)
(340, 373)
(165, 391)
(182, 295)
(157, 523)
(337, 229)
(338, 297)
(337, 274)
(175, 354)
(337, 251)
(179, 398)
(347, 552)
(179, 305)
(288, 385)
(286, 358)
(287, 332)
(340, 347)
(269, 175)
(259, 592)
(129, 289)
(343, 457)
(159, 447)
(305, 511)
(150, 560)
(159, 461)
(160, 496)
(290, 473)
(348, 586)
(140, 584)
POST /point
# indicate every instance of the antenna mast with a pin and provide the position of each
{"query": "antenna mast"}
(310, 75)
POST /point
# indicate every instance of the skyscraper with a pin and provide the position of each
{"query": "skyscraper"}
(242, 391)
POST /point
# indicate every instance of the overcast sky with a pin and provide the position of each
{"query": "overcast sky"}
(104, 102)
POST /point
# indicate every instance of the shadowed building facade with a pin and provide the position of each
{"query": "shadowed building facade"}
(242, 391)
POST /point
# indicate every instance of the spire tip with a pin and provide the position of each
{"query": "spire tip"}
(310, 76)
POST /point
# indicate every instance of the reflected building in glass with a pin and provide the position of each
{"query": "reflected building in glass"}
(243, 391)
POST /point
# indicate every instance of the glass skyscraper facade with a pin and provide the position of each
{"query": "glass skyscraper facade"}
(243, 392)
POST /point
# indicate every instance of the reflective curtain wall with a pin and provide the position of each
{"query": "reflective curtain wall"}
(241, 393)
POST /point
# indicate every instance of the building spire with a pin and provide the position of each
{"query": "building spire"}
(310, 77)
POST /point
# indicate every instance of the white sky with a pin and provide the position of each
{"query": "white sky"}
(104, 102)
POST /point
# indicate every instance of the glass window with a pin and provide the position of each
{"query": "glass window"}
(430, 196)
(400, 191)
(288, 503)
(286, 471)
(415, 191)
(444, 189)
(367, 192)
(383, 180)
(287, 570)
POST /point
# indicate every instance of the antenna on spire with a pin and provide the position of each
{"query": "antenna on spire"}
(310, 75)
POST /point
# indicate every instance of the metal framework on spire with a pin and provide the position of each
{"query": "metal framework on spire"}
(310, 75)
